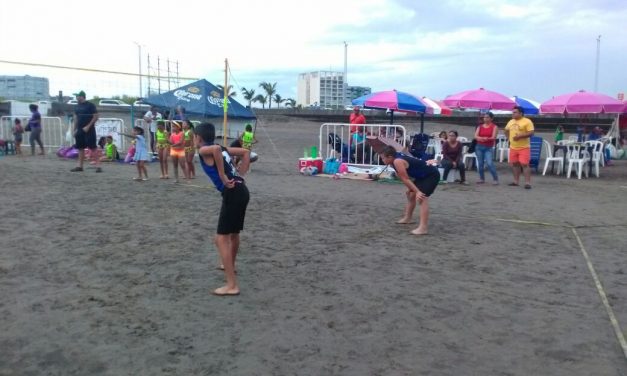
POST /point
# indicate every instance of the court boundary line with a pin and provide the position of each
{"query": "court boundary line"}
(595, 277)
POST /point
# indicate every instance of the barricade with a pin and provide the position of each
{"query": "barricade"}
(53, 131)
(336, 140)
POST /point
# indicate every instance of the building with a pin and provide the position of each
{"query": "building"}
(321, 89)
(25, 88)
(354, 92)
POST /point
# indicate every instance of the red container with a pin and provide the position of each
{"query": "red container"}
(307, 162)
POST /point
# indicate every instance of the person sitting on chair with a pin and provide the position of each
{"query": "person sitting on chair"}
(452, 158)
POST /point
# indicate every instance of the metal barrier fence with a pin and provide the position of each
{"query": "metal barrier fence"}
(53, 131)
(356, 148)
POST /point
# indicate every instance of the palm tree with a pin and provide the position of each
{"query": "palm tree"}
(278, 99)
(230, 91)
(249, 95)
(261, 99)
(290, 102)
(270, 90)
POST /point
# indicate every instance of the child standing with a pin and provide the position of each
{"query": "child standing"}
(162, 148)
(141, 153)
(216, 162)
(18, 132)
(188, 131)
(177, 150)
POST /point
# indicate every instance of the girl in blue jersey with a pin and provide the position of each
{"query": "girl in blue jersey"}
(217, 162)
(420, 177)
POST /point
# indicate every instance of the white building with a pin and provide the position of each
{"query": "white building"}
(323, 88)
(26, 88)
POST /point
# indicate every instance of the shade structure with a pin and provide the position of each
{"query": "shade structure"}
(481, 99)
(393, 100)
(437, 108)
(530, 107)
(582, 102)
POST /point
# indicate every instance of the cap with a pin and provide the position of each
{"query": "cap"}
(80, 94)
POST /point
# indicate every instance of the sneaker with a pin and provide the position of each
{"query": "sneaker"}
(463, 182)
(98, 169)
(480, 182)
(76, 169)
(442, 182)
(496, 182)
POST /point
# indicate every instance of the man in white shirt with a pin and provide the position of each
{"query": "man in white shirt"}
(151, 118)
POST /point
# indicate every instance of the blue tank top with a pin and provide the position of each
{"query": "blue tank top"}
(418, 168)
(229, 170)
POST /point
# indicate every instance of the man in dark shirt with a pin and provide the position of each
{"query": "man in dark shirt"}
(34, 123)
(85, 117)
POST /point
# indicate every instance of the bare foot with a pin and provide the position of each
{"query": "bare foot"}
(404, 221)
(137, 179)
(226, 291)
(161, 177)
(419, 231)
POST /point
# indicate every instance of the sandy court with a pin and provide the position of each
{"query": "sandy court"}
(101, 275)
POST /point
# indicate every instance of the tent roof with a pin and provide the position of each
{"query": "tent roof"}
(201, 98)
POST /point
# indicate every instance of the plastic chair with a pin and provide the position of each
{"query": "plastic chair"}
(470, 156)
(503, 149)
(597, 155)
(536, 151)
(577, 157)
(551, 159)
(462, 139)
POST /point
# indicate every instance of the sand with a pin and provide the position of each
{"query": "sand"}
(101, 275)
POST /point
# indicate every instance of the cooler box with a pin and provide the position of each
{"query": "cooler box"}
(310, 162)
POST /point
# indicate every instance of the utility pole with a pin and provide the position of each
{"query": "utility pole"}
(148, 71)
(139, 46)
(345, 86)
(168, 74)
(159, 73)
(178, 83)
(596, 69)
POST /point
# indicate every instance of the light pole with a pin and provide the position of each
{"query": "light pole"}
(345, 74)
(139, 46)
(596, 69)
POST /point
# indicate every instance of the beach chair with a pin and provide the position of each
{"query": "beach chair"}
(536, 152)
(551, 159)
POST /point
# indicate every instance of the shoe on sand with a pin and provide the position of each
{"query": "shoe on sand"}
(76, 169)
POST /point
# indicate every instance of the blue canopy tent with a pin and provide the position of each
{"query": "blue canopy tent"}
(200, 98)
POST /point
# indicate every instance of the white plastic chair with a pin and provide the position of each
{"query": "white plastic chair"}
(572, 139)
(462, 139)
(437, 150)
(503, 149)
(550, 158)
(597, 155)
(470, 156)
(577, 157)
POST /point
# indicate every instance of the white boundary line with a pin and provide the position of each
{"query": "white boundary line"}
(601, 291)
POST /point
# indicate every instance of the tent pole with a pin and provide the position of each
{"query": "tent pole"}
(422, 122)
(224, 105)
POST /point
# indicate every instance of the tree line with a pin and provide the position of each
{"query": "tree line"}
(269, 94)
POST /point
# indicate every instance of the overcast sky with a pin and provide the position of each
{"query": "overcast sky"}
(534, 49)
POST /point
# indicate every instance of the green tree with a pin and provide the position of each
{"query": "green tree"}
(270, 90)
(230, 91)
(249, 95)
(261, 99)
(278, 99)
(290, 102)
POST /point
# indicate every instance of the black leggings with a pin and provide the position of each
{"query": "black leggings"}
(35, 135)
(448, 165)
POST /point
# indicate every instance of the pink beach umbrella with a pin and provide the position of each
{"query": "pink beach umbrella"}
(582, 102)
(481, 99)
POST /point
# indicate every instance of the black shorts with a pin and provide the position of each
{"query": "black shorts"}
(428, 184)
(233, 210)
(85, 140)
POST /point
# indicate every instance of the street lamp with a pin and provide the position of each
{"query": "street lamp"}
(596, 69)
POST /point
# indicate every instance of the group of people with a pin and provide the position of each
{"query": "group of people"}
(33, 126)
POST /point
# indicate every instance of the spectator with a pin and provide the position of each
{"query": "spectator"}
(559, 133)
(34, 123)
(85, 117)
(356, 118)
(519, 131)
(486, 138)
(151, 119)
(18, 133)
(596, 134)
(443, 135)
(111, 151)
(452, 158)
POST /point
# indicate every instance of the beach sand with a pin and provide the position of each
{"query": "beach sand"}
(101, 275)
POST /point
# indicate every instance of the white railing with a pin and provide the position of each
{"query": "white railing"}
(336, 140)
(53, 131)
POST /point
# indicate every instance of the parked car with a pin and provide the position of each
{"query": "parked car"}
(113, 102)
(72, 101)
(140, 104)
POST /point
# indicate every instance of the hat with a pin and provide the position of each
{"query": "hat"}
(80, 94)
